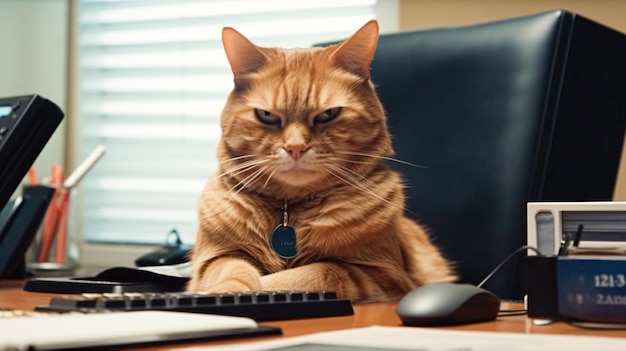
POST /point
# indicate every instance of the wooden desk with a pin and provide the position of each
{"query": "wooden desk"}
(12, 296)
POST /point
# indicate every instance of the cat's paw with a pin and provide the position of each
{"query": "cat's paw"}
(233, 286)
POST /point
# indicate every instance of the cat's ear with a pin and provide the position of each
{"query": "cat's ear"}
(244, 57)
(355, 53)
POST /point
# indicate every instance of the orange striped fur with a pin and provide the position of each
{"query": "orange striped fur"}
(305, 126)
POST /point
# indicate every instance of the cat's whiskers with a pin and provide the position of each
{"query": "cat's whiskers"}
(243, 167)
(254, 176)
(380, 157)
(270, 176)
(345, 177)
(243, 183)
(235, 158)
(351, 161)
(356, 180)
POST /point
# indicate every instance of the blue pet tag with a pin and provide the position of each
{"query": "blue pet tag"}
(284, 241)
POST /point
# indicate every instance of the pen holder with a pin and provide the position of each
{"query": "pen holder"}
(19, 227)
(543, 300)
(52, 254)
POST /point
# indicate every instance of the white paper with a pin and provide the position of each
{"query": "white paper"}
(99, 329)
(425, 339)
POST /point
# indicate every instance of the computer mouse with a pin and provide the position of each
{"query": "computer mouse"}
(444, 303)
(164, 256)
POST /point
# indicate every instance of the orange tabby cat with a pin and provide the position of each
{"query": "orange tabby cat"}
(302, 200)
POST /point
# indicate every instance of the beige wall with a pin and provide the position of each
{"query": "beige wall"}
(437, 13)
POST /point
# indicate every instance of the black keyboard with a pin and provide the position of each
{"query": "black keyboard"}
(260, 306)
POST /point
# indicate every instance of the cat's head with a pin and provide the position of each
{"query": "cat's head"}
(300, 121)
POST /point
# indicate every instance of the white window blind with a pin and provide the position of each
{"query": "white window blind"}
(153, 79)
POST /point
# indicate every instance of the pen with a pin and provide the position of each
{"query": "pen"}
(62, 228)
(51, 220)
(570, 240)
(84, 167)
(578, 236)
(565, 244)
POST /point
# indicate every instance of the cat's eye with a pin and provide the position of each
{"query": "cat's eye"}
(327, 115)
(267, 117)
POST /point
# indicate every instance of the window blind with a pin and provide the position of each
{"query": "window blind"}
(153, 79)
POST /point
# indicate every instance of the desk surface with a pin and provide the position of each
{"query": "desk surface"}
(383, 314)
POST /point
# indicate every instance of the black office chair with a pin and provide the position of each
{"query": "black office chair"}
(499, 114)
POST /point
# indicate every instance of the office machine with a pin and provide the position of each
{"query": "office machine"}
(551, 224)
(580, 274)
(26, 124)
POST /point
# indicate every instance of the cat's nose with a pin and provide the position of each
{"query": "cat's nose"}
(296, 138)
(296, 151)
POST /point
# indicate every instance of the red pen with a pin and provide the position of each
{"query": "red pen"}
(51, 220)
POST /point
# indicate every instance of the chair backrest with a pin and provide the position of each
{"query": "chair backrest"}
(499, 114)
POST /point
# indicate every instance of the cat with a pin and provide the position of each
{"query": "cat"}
(303, 139)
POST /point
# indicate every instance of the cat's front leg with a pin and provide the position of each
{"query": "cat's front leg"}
(225, 274)
(319, 276)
